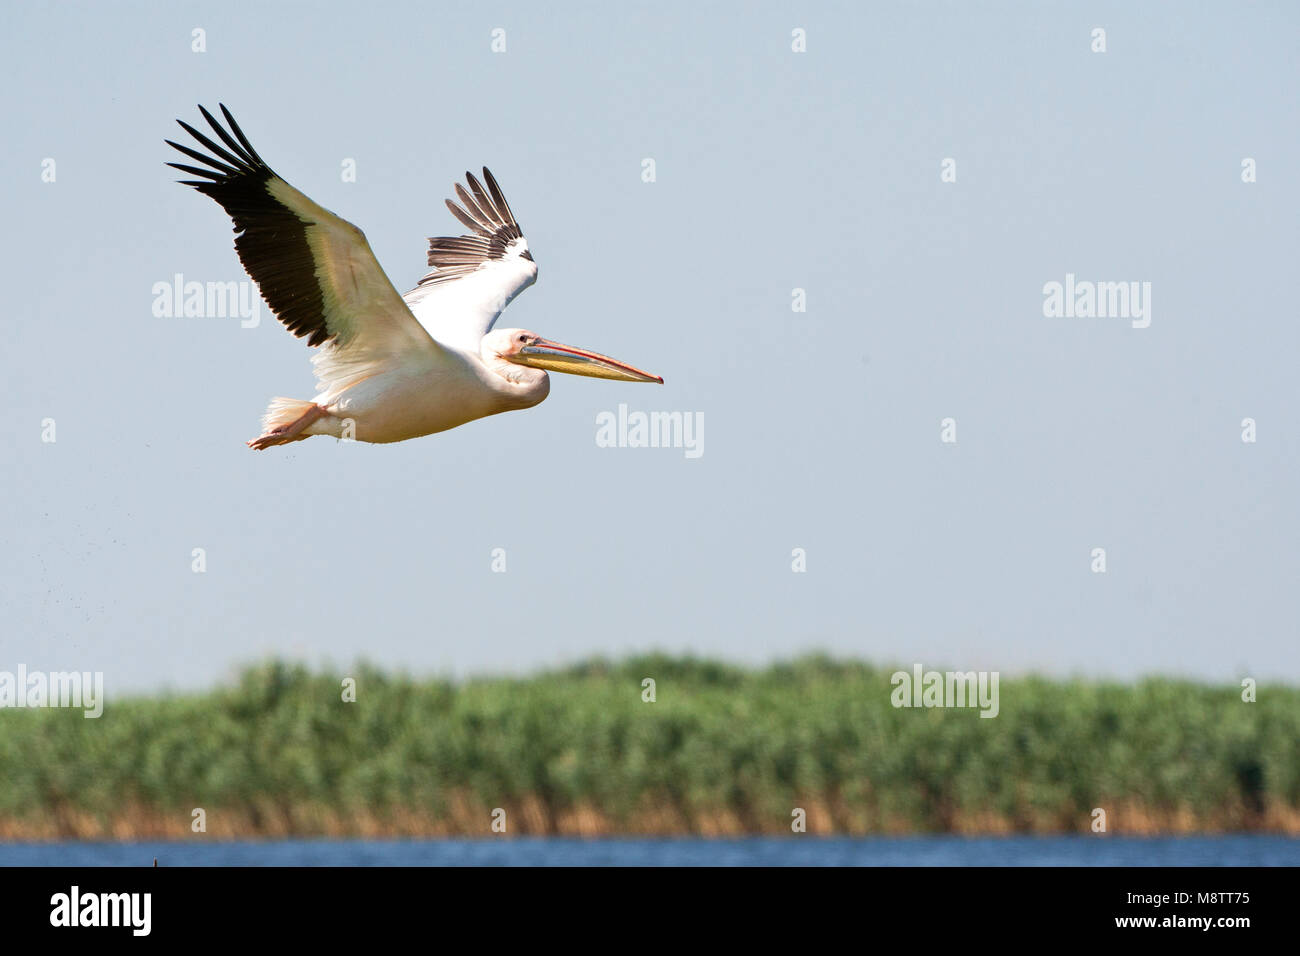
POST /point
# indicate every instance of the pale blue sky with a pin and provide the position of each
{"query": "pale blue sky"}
(775, 170)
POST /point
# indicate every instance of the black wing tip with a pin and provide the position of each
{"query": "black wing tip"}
(233, 160)
(271, 239)
(466, 220)
(489, 213)
(499, 199)
(209, 176)
(206, 114)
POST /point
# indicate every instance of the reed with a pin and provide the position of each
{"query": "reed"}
(722, 750)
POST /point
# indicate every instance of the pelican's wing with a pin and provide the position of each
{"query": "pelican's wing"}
(315, 270)
(474, 276)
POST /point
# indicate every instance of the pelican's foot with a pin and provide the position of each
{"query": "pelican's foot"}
(292, 431)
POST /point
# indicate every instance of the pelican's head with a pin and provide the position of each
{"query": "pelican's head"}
(521, 347)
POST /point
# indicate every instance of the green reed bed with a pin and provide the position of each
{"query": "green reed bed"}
(722, 749)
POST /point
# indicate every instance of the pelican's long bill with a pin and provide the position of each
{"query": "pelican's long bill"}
(554, 357)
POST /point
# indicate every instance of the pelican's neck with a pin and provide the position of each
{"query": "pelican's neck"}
(523, 386)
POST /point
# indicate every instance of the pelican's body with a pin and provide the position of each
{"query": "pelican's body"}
(390, 367)
(421, 395)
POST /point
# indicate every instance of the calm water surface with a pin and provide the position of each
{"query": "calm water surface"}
(755, 851)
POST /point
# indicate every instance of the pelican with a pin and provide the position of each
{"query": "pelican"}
(389, 367)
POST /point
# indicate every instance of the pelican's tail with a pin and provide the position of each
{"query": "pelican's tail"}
(285, 421)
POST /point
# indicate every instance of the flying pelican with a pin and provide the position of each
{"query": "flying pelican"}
(390, 367)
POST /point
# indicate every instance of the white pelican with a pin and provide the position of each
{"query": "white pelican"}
(390, 367)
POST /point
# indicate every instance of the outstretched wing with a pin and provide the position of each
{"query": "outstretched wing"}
(474, 276)
(315, 270)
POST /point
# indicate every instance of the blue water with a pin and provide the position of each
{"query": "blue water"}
(754, 851)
